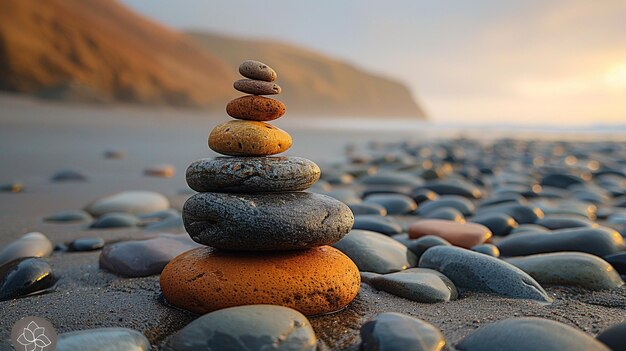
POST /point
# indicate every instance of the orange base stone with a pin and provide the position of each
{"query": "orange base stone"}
(314, 281)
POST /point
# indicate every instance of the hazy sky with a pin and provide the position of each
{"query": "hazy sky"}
(525, 61)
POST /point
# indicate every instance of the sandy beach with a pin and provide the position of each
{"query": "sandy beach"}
(38, 138)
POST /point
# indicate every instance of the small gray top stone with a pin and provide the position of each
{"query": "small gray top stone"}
(257, 70)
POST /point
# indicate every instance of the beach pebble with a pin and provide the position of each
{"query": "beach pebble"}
(509, 199)
(86, 244)
(379, 224)
(459, 234)
(367, 209)
(159, 215)
(389, 178)
(597, 241)
(256, 87)
(33, 244)
(423, 195)
(478, 272)
(69, 175)
(463, 205)
(446, 213)
(569, 268)
(564, 222)
(454, 187)
(12, 187)
(162, 170)
(417, 284)
(396, 204)
(254, 327)
(257, 70)
(248, 138)
(69, 216)
(255, 108)
(614, 337)
(529, 228)
(133, 202)
(420, 245)
(392, 331)
(618, 261)
(529, 333)
(500, 224)
(101, 339)
(487, 249)
(252, 174)
(141, 258)
(257, 222)
(560, 180)
(314, 281)
(374, 252)
(114, 154)
(522, 214)
(25, 276)
(115, 220)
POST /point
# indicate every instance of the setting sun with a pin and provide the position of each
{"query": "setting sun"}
(616, 76)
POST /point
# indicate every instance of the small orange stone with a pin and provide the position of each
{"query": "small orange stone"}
(248, 138)
(255, 108)
(464, 235)
(315, 281)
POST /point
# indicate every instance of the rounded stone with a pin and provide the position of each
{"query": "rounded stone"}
(315, 281)
(257, 70)
(69, 216)
(248, 138)
(447, 213)
(255, 108)
(500, 224)
(254, 327)
(86, 244)
(392, 331)
(33, 244)
(459, 234)
(379, 224)
(479, 272)
(160, 170)
(614, 337)
(569, 268)
(115, 220)
(529, 333)
(374, 252)
(417, 284)
(463, 205)
(252, 174)
(134, 202)
(103, 339)
(257, 87)
(25, 276)
(368, 209)
(258, 222)
(487, 249)
(396, 204)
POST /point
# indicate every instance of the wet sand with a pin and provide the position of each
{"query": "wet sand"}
(39, 138)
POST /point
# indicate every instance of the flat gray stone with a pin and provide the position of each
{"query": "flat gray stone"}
(252, 174)
(391, 331)
(133, 202)
(529, 333)
(141, 258)
(257, 70)
(417, 284)
(375, 252)
(257, 87)
(479, 272)
(32, 244)
(69, 216)
(110, 339)
(253, 327)
(115, 220)
(596, 241)
(261, 222)
(569, 268)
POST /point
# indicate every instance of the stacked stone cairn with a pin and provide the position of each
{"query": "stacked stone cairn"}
(266, 239)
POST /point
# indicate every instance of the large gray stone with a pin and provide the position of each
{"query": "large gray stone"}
(375, 252)
(417, 284)
(32, 244)
(391, 331)
(260, 222)
(110, 339)
(141, 258)
(597, 241)
(252, 174)
(569, 268)
(479, 272)
(253, 327)
(25, 276)
(529, 333)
